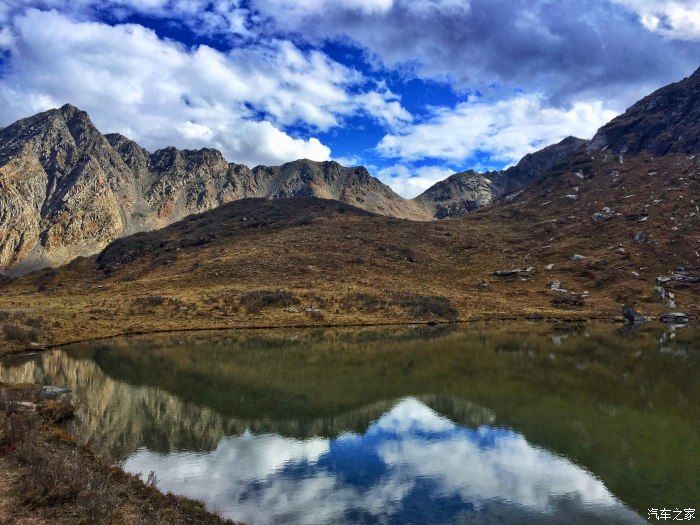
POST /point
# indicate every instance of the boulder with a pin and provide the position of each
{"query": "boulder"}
(631, 315)
(53, 392)
(604, 215)
(512, 271)
(674, 318)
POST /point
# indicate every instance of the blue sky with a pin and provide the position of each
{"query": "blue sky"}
(413, 89)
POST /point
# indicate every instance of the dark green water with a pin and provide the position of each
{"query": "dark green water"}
(515, 423)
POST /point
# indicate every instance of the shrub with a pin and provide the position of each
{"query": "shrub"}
(254, 301)
(315, 315)
(429, 306)
(19, 333)
(363, 302)
(150, 300)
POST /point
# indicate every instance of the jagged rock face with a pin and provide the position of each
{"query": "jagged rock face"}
(667, 121)
(66, 190)
(330, 180)
(466, 191)
(458, 194)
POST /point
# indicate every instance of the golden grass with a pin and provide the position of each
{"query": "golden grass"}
(335, 260)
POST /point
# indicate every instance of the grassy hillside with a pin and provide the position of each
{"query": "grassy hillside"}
(256, 263)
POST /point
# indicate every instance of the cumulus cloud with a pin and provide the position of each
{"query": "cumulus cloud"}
(220, 18)
(671, 18)
(409, 450)
(409, 181)
(159, 92)
(556, 48)
(506, 130)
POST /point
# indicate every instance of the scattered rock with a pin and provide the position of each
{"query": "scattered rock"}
(292, 310)
(549, 267)
(640, 237)
(513, 271)
(53, 392)
(674, 318)
(555, 285)
(577, 257)
(604, 215)
(681, 275)
(661, 291)
(631, 315)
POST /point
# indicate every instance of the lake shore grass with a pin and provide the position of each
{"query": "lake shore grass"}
(48, 476)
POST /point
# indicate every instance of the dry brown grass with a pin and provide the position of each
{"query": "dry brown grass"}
(57, 480)
(354, 268)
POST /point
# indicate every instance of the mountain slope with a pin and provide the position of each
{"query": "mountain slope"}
(667, 121)
(466, 191)
(66, 190)
(595, 231)
(590, 236)
(63, 190)
(330, 180)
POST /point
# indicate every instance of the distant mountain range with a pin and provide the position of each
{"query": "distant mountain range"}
(67, 190)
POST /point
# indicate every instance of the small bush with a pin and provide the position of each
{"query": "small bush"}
(429, 306)
(315, 315)
(363, 302)
(150, 300)
(19, 333)
(568, 301)
(256, 300)
(35, 322)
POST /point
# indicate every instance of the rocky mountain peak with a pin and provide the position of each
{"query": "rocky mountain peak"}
(67, 190)
(468, 190)
(664, 122)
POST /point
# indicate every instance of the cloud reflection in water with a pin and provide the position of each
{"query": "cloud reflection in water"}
(412, 465)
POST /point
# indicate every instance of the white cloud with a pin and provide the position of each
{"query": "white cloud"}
(220, 17)
(409, 181)
(506, 129)
(7, 39)
(160, 93)
(671, 18)
(256, 479)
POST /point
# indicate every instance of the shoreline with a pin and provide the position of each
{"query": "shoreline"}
(304, 326)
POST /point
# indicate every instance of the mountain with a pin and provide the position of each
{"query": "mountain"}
(594, 231)
(466, 191)
(66, 190)
(667, 121)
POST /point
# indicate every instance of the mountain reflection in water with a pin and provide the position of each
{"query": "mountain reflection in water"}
(512, 423)
(410, 466)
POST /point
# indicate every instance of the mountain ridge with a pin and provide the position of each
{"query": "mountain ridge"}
(466, 191)
(67, 190)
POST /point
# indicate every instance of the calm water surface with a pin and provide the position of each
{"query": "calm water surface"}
(479, 424)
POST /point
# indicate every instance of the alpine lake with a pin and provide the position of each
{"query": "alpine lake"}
(475, 423)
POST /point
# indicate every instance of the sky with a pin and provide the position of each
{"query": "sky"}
(413, 89)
